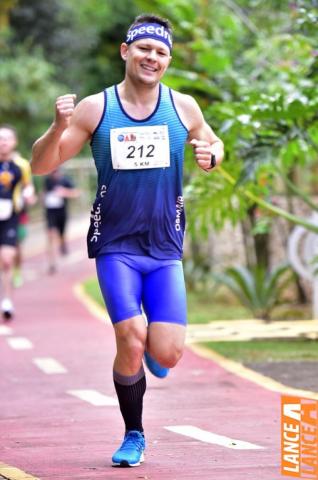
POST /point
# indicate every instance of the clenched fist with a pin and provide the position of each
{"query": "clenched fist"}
(64, 108)
(203, 153)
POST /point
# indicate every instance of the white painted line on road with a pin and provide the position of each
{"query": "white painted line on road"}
(4, 330)
(94, 397)
(48, 365)
(209, 437)
(196, 372)
(20, 343)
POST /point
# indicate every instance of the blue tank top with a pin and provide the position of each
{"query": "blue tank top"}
(139, 212)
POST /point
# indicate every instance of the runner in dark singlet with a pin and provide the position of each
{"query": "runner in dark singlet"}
(58, 188)
(138, 130)
(10, 176)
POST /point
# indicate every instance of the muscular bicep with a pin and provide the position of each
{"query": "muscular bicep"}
(199, 128)
(193, 119)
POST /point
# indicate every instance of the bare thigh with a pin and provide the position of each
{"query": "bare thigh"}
(7, 255)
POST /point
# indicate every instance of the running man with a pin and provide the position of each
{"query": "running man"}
(10, 177)
(24, 197)
(58, 188)
(138, 130)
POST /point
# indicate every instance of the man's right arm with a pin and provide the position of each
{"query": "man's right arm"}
(71, 129)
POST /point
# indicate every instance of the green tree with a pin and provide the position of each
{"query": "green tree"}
(254, 72)
(28, 91)
(48, 49)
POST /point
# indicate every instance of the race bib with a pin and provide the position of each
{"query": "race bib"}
(136, 148)
(6, 208)
(53, 201)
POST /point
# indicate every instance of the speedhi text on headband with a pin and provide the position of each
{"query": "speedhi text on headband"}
(149, 30)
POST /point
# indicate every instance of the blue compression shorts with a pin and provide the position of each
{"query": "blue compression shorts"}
(128, 282)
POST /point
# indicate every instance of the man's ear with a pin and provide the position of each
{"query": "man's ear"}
(124, 51)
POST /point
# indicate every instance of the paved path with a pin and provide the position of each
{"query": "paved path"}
(240, 330)
(58, 413)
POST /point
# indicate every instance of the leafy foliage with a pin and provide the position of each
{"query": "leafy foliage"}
(28, 91)
(48, 49)
(253, 67)
(258, 290)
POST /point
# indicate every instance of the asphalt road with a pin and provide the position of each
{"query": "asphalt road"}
(58, 414)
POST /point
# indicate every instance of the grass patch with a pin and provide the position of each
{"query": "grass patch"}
(267, 350)
(92, 289)
(204, 309)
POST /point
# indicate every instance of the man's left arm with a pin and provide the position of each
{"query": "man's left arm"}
(208, 148)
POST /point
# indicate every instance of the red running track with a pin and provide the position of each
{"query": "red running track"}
(53, 435)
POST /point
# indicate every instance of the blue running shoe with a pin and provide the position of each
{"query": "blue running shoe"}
(154, 367)
(131, 452)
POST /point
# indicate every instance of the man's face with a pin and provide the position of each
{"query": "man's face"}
(146, 60)
(8, 142)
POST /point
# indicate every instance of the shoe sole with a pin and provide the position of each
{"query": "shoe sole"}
(125, 464)
(162, 373)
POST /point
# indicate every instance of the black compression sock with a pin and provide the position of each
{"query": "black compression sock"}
(130, 392)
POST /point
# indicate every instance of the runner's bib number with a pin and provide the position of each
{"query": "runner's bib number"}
(52, 200)
(6, 208)
(136, 148)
